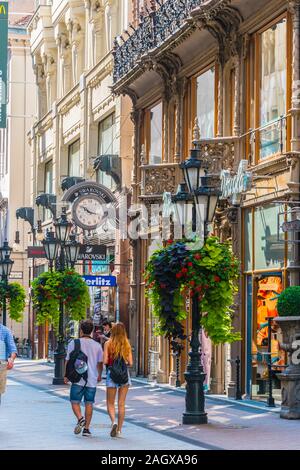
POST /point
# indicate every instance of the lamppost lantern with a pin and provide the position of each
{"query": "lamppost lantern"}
(62, 227)
(5, 250)
(6, 267)
(51, 246)
(192, 170)
(207, 196)
(72, 248)
(180, 199)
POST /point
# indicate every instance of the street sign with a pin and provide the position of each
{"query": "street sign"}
(36, 252)
(16, 275)
(291, 226)
(92, 253)
(100, 281)
(3, 61)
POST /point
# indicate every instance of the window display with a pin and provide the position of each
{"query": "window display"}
(268, 290)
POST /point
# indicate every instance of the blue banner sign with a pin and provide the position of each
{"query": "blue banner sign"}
(3, 61)
(100, 281)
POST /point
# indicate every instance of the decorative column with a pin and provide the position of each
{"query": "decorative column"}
(134, 302)
(181, 88)
(293, 159)
(237, 84)
(220, 98)
(166, 105)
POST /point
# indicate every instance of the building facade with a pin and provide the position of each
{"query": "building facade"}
(233, 65)
(15, 154)
(82, 132)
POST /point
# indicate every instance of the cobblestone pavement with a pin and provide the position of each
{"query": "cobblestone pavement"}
(36, 414)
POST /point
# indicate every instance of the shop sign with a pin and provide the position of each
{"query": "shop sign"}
(3, 61)
(232, 187)
(36, 252)
(92, 253)
(291, 226)
(16, 275)
(100, 281)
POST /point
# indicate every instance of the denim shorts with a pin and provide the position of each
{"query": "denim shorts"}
(110, 383)
(78, 392)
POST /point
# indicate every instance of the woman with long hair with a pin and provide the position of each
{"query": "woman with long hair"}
(117, 347)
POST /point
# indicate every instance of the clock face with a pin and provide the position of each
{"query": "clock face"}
(88, 212)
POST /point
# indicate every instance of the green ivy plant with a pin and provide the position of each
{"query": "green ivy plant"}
(288, 304)
(49, 289)
(15, 295)
(210, 273)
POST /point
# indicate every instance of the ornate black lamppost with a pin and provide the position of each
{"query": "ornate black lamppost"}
(204, 191)
(5, 269)
(61, 249)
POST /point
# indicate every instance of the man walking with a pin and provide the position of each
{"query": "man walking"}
(86, 390)
(8, 353)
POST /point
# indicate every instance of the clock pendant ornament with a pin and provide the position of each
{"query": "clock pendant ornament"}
(88, 212)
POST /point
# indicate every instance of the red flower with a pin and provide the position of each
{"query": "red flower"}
(197, 256)
(192, 283)
(184, 270)
(178, 275)
(206, 286)
(217, 278)
(169, 242)
(190, 264)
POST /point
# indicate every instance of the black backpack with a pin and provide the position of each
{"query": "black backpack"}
(77, 364)
(119, 371)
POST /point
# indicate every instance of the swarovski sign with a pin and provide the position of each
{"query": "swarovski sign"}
(232, 187)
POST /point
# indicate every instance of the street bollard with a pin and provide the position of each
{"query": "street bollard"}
(238, 393)
(271, 401)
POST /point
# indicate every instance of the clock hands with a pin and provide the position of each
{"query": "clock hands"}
(88, 211)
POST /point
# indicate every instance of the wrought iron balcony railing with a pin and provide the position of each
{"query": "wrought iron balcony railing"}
(153, 30)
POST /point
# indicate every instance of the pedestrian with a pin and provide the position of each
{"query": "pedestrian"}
(107, 326)
(82, 389)
(117, 348)
(8, 353)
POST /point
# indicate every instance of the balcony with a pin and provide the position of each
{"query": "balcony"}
(153, 31)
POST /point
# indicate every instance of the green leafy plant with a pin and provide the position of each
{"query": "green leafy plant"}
(51, 288)
(288, 304)
(210, 273)
(15, 296)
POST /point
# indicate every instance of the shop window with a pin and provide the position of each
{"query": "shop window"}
(155, 134)
(267, 289)
(205, 97)
(48, 186)
(273, 88)
(107, 146)
(269, 251)
(74, 159)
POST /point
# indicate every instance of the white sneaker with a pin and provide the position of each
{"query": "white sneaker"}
(119, 434)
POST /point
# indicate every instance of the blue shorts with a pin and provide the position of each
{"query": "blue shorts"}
(110, 383)
(78, 392)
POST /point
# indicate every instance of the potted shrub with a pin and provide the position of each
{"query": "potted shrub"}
(289, 321)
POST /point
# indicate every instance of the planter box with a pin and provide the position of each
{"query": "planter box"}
(290, 378)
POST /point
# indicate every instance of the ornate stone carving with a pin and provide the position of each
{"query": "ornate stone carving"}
(159, 179)
(218, 154)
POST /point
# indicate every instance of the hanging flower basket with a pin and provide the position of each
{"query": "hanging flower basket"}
(211, 274)
(49, 289)
(15, 296)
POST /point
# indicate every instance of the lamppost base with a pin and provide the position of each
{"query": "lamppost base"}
(194, 418)
(58, 381)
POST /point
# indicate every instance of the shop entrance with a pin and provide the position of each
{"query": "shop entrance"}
(263, 335)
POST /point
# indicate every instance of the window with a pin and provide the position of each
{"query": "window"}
(107, 146)
(48, 186)
(74, 159)
(155, 137)
(273, 87)
(205, 98)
